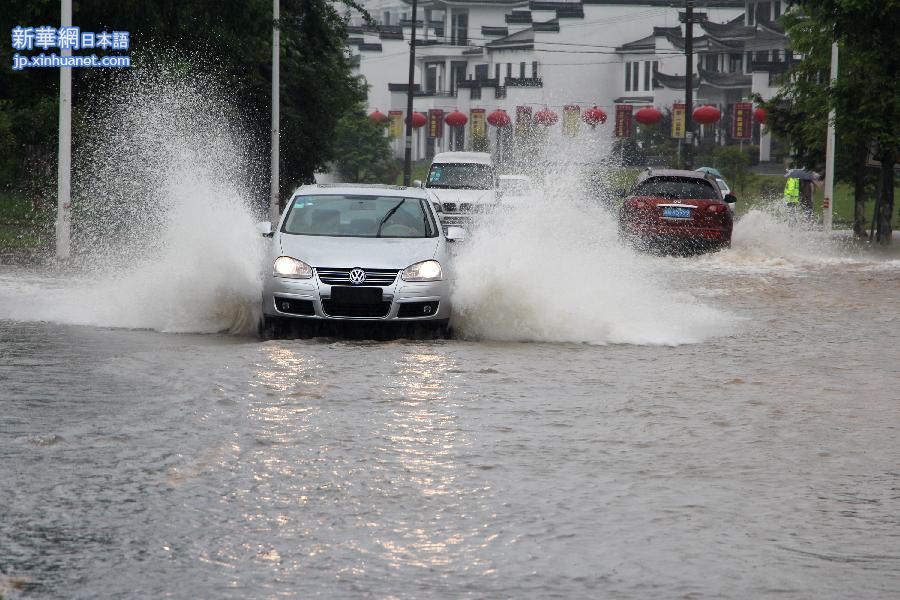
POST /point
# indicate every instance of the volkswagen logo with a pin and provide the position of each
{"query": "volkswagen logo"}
(357, 276)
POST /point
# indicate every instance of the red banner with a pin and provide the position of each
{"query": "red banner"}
(435, 123)
(477, 122)
(623, 120)
(523, 117)
(741, 121)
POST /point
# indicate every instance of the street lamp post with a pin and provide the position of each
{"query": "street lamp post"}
(689, 84)
(407, 154)
(827, 201)
(64, 161)
(274, 207)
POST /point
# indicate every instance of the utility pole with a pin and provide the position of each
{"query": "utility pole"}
(689, 84)
(827, 201)
(407, 156)
(274, 205)
(64, 161)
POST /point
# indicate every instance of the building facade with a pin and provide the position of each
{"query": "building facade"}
(475, 54)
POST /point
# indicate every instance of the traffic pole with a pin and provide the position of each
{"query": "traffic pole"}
(274, 207)
(407, 153)
(828, 199)
(689, 84)
(64, 160)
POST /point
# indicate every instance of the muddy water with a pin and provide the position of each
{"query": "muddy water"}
(761, 460)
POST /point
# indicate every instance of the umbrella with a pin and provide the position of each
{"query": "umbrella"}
(711, 171)
(803, 175)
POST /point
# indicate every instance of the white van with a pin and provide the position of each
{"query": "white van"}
(462, 185)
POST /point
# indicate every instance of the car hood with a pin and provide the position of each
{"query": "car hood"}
(349, 252)
(463, 196)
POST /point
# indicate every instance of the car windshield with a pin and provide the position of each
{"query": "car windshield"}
(722, 185)
(465, 176)
(680, 188)
(359, 216)
(515, 187)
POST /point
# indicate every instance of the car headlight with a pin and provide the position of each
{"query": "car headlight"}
(285, 266)
(427, 270)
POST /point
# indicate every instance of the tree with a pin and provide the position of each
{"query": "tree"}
(865, 96)
(362, 151)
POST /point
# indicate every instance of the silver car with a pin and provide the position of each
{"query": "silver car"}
(358, 253)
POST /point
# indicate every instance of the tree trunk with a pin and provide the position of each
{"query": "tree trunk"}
(886, 204)
(859, 191)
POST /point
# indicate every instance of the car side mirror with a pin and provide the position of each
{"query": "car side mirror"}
(264, 228)
(456, 234)
(417, 183)
(730, 198)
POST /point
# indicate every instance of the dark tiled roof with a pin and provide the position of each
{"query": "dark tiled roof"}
(634, 100)
(402, 87)
(519, 39)
(663, 3)
(674, 82)
(725, 80)
(772, 26)
(473, 51)
(518, 17)
(370, 47)
(551, 26)
(499, 31)
(645, 43)
(728, 31)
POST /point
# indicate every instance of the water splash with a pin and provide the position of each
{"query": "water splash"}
(554, 270)
(164, 235)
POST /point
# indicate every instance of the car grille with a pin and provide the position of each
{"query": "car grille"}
(333, 276)
(376, 310)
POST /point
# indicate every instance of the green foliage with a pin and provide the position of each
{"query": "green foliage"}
(362, 151)
(232, 38)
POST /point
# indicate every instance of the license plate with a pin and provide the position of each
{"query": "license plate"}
(676, 212)
(355, 295)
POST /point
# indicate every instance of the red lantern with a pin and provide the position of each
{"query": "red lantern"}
(545, 116)
(706, 115)
(648, 116)
(593, 116)
(418, 120)
(378, 116)
(456, 119)
(499, 118)
(759, 115)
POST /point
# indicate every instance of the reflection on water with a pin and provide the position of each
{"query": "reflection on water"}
(140, 464)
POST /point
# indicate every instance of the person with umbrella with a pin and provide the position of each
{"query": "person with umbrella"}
(798, 190)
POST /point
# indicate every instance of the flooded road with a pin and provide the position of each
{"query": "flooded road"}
(760, 461)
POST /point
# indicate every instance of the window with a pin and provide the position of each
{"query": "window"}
(748, 58)
(655, 69)
(481, 72)
(359, 216)
(460, 29)
(776, 9)
(461, 176)
(534, 69)
(627, 77)
(509, 70)
(751, 14)
(497, 71)
(763, 12)
(635, 66)
(431, 77)
(521, 70)
(681, 188)
(386, 19)
(646, 75)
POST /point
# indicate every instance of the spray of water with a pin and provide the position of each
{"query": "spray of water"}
(554, 270)
(164, 233)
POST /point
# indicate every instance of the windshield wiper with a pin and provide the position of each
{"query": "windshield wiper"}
(389, 214)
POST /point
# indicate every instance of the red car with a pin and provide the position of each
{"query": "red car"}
(677, 210)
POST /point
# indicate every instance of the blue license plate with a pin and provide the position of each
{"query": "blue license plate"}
(676, 212)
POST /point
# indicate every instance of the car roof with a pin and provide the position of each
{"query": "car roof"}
(483, 158)
(673, 173)
(362, 189)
